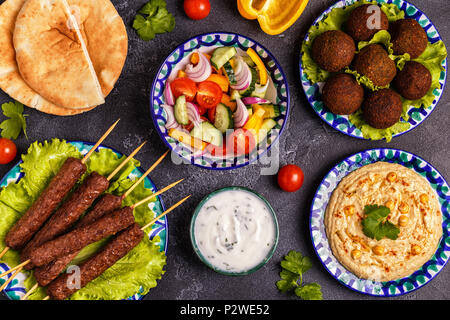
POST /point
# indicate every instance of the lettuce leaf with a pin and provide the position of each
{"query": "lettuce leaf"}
(40, 164)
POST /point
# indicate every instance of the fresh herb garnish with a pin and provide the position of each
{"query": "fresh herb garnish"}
(376, 226)
(12, 127)
(153, 19)
(294, 266)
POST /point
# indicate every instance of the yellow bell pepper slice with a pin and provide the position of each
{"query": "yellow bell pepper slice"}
(259, 64)
(274, 16)
(187, 139)
(256, 119)
(222, 81)
(226, 100)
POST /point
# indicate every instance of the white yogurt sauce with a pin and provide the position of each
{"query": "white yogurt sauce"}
(234, 230)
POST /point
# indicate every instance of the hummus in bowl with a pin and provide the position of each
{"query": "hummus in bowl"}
(414, 211)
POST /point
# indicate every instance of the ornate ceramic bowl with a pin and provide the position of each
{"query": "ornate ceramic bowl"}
(206, 43)
(341, 123)
(320, 241)
(16, 289)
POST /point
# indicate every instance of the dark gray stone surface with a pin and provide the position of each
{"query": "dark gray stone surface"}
(307, 141)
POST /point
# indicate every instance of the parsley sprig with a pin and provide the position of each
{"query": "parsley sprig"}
(16, 123)
(294, 266)
(375, 224)
(153, 19)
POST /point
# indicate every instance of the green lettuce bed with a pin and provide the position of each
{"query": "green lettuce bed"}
(432, 58)
(136, 272)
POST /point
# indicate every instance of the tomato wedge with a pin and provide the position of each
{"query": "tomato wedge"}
(184, 86)
(209, 94)
(241, 141)
(212, 114)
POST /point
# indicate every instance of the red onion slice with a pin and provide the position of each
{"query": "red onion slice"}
(193, 113)
(171, 123)
(241, 115)
(168, 95)
(243, 77)
(201, 71)
(254, 100)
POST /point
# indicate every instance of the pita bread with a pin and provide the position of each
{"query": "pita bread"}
(52, 57)
(10, 80)
(105, 36)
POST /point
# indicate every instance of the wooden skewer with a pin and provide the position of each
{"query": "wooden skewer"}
(25, 297)
(19, 266)
(4, 285)
(127, 193)
(123, 163)
(165, 212)
(4, 252)
(86, 157)
(156, 194)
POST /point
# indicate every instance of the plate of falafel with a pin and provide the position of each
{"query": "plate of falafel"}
(373, 69)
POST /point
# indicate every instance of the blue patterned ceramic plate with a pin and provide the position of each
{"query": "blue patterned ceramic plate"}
(319, 238)
(341, 123)
(16, 289)
(278, 89)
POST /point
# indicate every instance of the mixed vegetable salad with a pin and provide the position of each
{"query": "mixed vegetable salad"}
(218, 104)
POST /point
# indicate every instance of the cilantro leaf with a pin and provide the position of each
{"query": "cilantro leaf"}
(376, 226)
(143, 27)
(12, 127)
(296, 263)
(163, 21)
(293, 267)
(310, 291)
(288, 280)
(153, 19)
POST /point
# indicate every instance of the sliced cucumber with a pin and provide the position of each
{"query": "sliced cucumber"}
(221, 55)
(247, 92)
(272, 111)
(266, 126)
(180, 111)
(249, 61)
(208, 133)
(223, 119)
(229, 72)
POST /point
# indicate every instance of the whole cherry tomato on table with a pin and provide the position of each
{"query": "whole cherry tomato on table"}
(8, 151)
(197, 9)
(209, 94)
(184, 86)
(290, 178)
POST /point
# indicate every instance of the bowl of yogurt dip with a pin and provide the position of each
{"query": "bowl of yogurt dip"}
(234, 231)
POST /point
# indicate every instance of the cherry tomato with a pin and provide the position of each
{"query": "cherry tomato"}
(290, 178)
(8, 151)
(209, 94)
(241, 142)
(188, 126)
(201, 110)
(197, 9)
(184, 86)
(212, 114)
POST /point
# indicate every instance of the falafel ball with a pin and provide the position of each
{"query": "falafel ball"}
(366, 20)
(373, 62)
(342, 94)
(383, 108)
(333, 50)
(413, 81)
(408, 37)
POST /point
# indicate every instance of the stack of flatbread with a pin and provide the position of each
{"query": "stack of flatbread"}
(61, 57)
